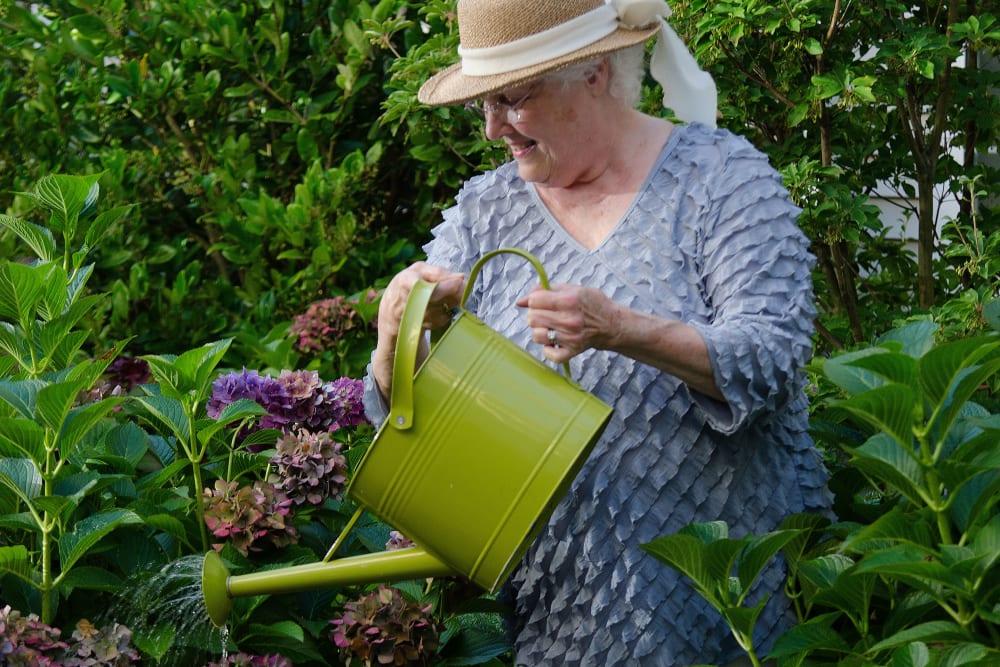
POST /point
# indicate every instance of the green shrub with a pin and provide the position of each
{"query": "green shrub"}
(249, 136)
(908, 574)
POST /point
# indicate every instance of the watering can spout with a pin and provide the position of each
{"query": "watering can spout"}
(219, 587)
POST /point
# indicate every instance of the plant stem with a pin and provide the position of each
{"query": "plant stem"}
(46, 583)
(746, 643)
(199, 506)
(47, 525)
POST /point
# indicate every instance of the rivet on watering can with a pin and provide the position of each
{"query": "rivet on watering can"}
(401, 420)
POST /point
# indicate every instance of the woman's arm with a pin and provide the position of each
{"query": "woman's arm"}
(583, 318)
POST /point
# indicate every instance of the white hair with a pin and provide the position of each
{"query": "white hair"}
(627, 68)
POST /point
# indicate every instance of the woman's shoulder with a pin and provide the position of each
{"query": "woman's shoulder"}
(718, 141)
(487, 197)
(488, 213)
(715, 157)
(491, 192)
(495, 183)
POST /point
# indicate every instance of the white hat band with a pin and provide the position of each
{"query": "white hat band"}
(565, 38)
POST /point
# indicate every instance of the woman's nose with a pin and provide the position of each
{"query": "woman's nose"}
(497, 125)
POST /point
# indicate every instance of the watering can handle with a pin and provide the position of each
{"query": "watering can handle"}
(405, 361)
(543, 278)
(411, 329)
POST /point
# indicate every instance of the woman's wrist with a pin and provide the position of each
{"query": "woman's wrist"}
(382, 363)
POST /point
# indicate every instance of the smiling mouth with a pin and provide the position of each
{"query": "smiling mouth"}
(521, 149)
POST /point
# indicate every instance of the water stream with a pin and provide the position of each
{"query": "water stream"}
(167, 615)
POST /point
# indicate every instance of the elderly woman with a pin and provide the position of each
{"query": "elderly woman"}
(680, 295)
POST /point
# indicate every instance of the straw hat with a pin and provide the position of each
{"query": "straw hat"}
(505, 43)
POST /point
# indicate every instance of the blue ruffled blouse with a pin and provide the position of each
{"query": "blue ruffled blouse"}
(711, 240)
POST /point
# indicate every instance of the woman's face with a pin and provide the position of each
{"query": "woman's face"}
(548, 131)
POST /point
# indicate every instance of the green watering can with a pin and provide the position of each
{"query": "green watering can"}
(479, 446)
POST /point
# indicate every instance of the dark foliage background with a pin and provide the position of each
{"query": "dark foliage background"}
(277, 153)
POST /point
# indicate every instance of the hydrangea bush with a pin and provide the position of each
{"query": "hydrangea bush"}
(309, 467)
(328, 322)
(123, 471)
(294, 400)
(246, 516)
(383, 628)
(27, 642)
(247, 660)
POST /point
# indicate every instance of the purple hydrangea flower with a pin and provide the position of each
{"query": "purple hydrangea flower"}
(328, 321)
(323, 324)
(251, 385)
(347, 393)
(302, 389)
(382, 628)
(294, 400)
(109, 645)
(244, 516)
(249, 660)
(26, 641)
(309, 467)
(398, 541)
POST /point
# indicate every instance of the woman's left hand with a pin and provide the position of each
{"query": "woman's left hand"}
(568, 319)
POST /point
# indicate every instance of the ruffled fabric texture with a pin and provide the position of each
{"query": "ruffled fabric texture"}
(710, 240)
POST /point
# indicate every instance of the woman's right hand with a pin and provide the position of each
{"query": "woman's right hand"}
(445, 297)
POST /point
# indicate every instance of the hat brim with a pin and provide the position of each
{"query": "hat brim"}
(452, 86)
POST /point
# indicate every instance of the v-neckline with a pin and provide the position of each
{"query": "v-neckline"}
(558, 228)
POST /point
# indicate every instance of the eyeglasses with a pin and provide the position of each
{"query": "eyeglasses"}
(513, 109)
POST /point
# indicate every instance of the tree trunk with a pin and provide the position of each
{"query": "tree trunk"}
(926, 241)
